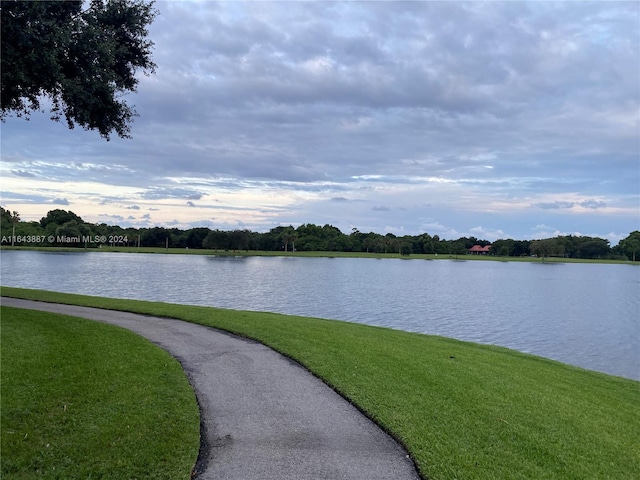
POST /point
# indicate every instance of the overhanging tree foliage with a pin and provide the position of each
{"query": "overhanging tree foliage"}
(82, 60)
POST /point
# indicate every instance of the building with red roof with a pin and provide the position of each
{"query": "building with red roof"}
(479, 250)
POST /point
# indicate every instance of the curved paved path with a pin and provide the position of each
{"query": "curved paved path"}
(263, 416)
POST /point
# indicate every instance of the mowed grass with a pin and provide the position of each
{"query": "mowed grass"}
(463, 411)
(81, 399)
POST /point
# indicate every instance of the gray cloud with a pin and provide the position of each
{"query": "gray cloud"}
(23, 197)
(60, 201)
(23, 173)
(554, 205)
(466, 106)
(592, 204)
(165, 193)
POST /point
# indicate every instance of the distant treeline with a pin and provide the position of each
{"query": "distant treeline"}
(65, 228)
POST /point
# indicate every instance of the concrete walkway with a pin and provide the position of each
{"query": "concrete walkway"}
(263, 416)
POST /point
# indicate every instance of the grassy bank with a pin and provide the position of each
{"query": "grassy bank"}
(262, 253)
(81, 399)
(462, 410)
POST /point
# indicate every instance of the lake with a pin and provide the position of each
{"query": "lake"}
(582, 314)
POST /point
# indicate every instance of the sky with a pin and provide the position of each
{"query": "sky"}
(487, 119)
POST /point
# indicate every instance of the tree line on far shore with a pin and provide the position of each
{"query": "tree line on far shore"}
(59, 226)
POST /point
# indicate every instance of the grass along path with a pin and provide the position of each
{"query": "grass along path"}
(81, 399)
(462, 410)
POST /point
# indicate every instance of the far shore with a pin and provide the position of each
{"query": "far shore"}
(325, 254)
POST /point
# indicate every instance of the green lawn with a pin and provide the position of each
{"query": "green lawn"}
(462, 410)
(82, 399)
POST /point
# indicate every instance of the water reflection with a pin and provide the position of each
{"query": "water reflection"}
(584, 314)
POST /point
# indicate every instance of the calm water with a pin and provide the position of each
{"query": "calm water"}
(584, 314)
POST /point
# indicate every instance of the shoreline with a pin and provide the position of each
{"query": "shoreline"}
(317, 254)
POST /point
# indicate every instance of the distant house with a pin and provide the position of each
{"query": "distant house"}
(479, 250)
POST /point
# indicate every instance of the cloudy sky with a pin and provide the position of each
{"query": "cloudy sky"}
(497, 120)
